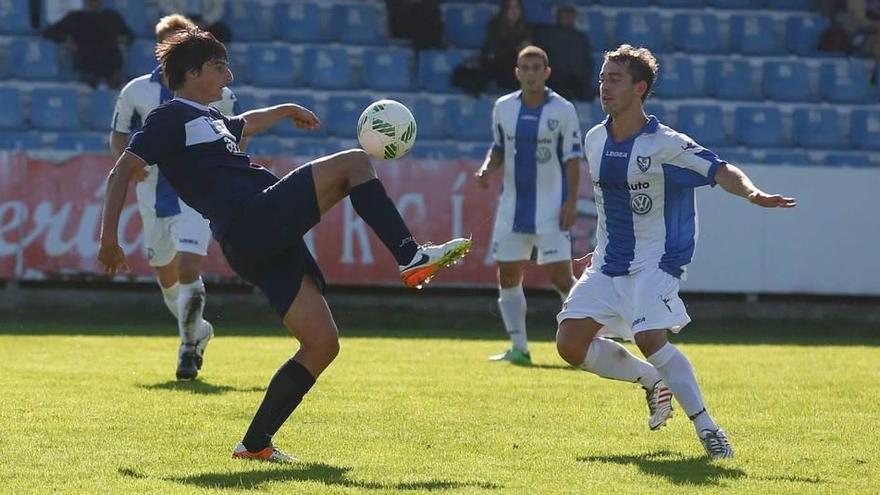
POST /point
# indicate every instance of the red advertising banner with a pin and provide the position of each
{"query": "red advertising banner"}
(50, 212)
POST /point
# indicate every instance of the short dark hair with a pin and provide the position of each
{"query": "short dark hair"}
(187, 50)
(640, 63)
(534, 51)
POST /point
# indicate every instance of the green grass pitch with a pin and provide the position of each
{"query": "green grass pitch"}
(96, 409)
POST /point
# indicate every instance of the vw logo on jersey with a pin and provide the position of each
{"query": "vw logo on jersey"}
(552, 124)
(644, 163)
(641, 204)
(543, 154)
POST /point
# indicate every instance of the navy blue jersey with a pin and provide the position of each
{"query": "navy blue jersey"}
(196, 149)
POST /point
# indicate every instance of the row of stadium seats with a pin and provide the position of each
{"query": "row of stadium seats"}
(468, 119)
(391, 69)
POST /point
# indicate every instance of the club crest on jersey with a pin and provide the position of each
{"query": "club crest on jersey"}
(552, 124)
(641, 204)
(690, 145)
(644, 163)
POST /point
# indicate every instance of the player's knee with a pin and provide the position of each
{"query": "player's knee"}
(570, 348)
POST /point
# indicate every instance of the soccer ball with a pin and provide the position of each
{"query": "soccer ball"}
(386, 129)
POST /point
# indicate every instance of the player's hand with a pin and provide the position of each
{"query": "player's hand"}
(482, 176)
(567, 215)
(112, 257)
(771, 200)
(303, 118)
(139, 174)
(583, 263)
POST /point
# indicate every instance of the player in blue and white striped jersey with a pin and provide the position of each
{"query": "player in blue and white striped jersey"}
(176, 237)
(537, 144)
(644, 174)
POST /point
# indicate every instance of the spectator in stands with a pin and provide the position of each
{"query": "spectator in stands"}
(419, 21)
(571, 53)
(207, 14)
(506, 34)
(94, 34)
(864, 25)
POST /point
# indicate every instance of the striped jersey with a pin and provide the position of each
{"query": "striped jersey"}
(137, 99)
(644, 192)
(536, 143)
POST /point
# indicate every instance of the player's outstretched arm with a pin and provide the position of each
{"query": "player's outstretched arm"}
(735, 181)
(261, 119)
(110, 254)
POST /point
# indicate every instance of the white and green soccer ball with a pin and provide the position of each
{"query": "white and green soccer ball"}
(386, 129)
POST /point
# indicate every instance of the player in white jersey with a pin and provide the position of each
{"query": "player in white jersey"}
(644, 174)
(176, 237)
(537, 144)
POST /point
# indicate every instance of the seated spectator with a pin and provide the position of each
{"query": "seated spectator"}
(94, 34)
(570, 53)
(207, 14)
(419, 21)
(864, 26)
(506, 34)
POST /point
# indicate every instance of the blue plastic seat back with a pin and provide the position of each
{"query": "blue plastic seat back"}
(696, 33)
(730, 80)
(465, 24)
(34, 58)
(388, 69)
(12, 116)
(15, 17)
(436, 67)
(273, 65)
(817, 128)
(787, 81)
(758, 126)
(140, 58)
(639, 29)
(358, 24)
(343, 113)
(866, 129)
(704, 123)
(677, 78)
(802, 33)
(470, 119)
(754, 35)
(55, 109)
(102, 103)
(845, 81)
(286, 126)
(430, 115)
(328, 68)
(250, 21)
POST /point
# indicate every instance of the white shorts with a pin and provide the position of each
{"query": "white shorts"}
(552, 247)
(627, 305)
(187, 231)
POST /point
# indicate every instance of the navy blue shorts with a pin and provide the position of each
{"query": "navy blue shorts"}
(265, 244)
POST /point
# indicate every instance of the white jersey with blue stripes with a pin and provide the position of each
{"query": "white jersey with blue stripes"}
(137, 99)
(644, 192)
(536, 143)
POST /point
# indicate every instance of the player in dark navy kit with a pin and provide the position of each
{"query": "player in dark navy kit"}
(258, 219)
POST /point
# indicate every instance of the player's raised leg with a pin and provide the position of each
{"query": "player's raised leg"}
(678, 374)
(350, 173)
(512, 305)
(310, 321)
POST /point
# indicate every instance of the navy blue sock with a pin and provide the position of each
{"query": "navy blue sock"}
(285, 392)
(372, 203)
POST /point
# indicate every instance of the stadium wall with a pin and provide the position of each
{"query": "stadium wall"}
(50, 206)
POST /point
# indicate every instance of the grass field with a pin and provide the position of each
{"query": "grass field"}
(95, 409)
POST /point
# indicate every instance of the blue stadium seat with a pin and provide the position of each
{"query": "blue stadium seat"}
(804, 5)
(680, 3)
(343, 113)
(100, 108)
(865, 129)
(246, 100)
(677, 78)
(138, 15)
(733, 4)
(470, 119)
(652, 108)
(300, 22)
(786, 157)
(263, 146)
(758, 126)
(592, 23)
(632, 3)
(736, 156)
(435, 69)
(239, 61)
(730, 80)
(273, 65)
(639, 29)
(308, 149)
(358, 24)
(328, 68)
(817, 128)
(286, 127)
(844, 82)
(55, 109)
(141, 58)
(696, 33)
(22, 140)
(787, 81)
(12, 116)
(82, 141)
(539, 11)
(850, 159)
(802, 33)
(754, 35)
(250, 21)
(589, 114)
(466, 24)
(15, 17)
(388, 69)
(430, 114)
(435, 151)
(703, 123)
(34, 58)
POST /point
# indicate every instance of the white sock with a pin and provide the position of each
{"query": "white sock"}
(512, 303)
(170, 297)
(609, 359)
(190, 305)
(678, 374)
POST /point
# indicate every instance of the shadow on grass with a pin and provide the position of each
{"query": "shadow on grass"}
(198, 387)
(674, 467)
(326, 474)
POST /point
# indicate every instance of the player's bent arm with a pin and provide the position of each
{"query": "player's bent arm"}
(261, 119)
(109, 252)
(118, 142)
(494, 160)
(735, 181)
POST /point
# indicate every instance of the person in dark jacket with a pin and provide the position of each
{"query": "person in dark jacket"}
(506, 34)
(571, 53)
